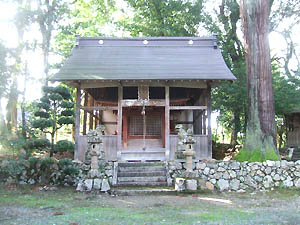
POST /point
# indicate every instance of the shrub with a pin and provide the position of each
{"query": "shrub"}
(66, 162)
(46, 163)
(64, 146)
(38, 143)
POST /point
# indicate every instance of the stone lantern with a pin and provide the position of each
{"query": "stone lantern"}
(189, 151)
(95, 151)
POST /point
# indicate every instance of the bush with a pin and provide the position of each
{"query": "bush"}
(64, 146)
(66, 162)
(38, 143)
(46, 163)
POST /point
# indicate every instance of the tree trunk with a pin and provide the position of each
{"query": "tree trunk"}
(261, 133)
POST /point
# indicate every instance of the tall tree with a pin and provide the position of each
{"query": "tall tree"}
(230, 99)
(261, 135)
(164, 17)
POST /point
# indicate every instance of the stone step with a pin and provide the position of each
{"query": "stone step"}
(140, 164)
(142, 179)
(142, 174)
(142, 169)
(143, 191)
(142, 183)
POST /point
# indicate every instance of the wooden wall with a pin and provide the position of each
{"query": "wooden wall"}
(110, 147)
(200, 147)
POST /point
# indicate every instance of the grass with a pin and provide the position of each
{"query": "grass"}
(27, 206)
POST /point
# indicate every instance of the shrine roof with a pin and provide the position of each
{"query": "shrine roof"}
(145, 58)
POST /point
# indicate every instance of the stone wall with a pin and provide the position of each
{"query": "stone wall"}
(65, 172)
(235, 176)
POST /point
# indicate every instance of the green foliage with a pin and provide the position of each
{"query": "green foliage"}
(38, 143)
(46, 163)
(42, 123)
(12, 143)
(71, 171)
(56, 105)
(65, 120)
(33, 162)
(67, 105)
(66, 162)
(64, 146)
(43, 105)
(68, 112)
(164, 18)
(256, 156)
(87, 18)
(13, 168)
(42, 114)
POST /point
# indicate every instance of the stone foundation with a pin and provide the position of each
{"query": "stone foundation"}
(235, 176)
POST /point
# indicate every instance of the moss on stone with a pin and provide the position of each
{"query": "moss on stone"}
(256, 156)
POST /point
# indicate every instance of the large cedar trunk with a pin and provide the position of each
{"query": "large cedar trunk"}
(261, 133)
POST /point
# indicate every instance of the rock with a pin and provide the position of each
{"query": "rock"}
(169, 182)
(206, 171)
(88, 184)
(284, 164)
(235, 165)
(225, 175)
(93, 173)
(223, 184)
(190, 174)
(109, 173)
(31, 181)
(178, 165)
(212, 165)
(297, 183)
(212, 171)
(276, 177)
(213, 181)
(200, 166)
(97, 184)
(258, 178)
(234, 184)
(270, 163)
(254, 167)
(260, 173)
(105, 185)
(232, 174)
(179, 184)
(241, 191)
(191, 185)
(221, 169)
(209, 186)
(297, 174)
(288, 182)
(218, 175)
(268, 170)
(250, 182)
(267, 181)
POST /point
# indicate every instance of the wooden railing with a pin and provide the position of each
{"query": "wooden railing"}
(200, 147)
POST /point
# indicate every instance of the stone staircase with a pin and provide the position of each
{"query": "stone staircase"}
(296, 154)
(141, 174)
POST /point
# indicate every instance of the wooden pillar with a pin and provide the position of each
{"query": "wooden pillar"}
(86, 96)
(91, 113)
(77, 122)
(125, 131)
(119, 125)
(163, 133)
(209, 137)
(167, 123)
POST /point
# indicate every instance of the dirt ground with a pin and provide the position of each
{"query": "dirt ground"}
(27, 205)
